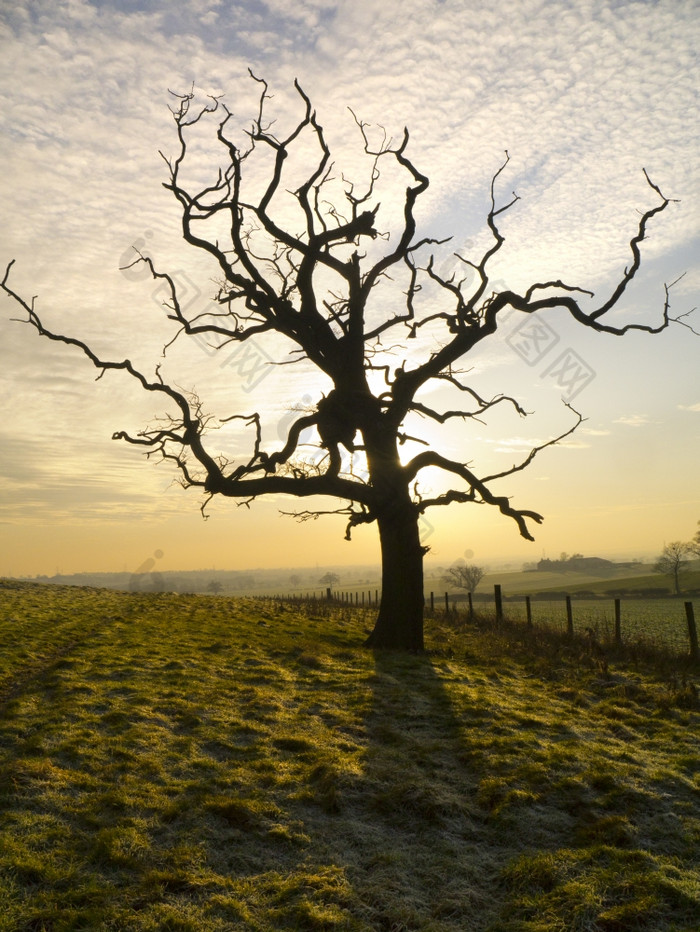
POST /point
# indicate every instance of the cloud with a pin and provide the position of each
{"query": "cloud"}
(45, 479)
(695, 407)
(633, 420)
(525, 445)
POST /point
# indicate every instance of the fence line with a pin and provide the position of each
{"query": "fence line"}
(371, 598)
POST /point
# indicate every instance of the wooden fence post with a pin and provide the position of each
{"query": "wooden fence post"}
(569, 618)
(328, 593)
(447, 604)
(618, 624)
(692, 632)
(432, 601)
(499, 603)
(471, 607)
(528, 611)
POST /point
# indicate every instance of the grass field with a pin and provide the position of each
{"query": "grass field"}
(190, 763)
(654, 622)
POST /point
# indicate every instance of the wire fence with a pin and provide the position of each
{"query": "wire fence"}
(668, 623)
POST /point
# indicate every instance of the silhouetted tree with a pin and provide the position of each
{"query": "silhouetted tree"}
(330, 579)
(464, 576)
(673, 561)
(694, 544)
(308, 256)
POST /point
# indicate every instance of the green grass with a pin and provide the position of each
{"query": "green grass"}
(193, 763)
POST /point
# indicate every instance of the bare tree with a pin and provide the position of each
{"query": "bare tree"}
(465, 576)
(312, 261)
(694, 544)
(673, 562)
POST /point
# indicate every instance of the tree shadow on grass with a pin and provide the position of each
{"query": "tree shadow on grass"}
(497, 805)
(427, 862)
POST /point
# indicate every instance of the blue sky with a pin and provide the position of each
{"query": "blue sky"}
(583, 96)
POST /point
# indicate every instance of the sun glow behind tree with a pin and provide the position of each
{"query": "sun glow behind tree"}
(312, 273)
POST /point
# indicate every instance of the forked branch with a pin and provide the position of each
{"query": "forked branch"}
(478, 491)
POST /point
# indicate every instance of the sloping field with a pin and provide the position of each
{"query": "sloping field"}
(571, 582)
(191, 763)
(528, 583)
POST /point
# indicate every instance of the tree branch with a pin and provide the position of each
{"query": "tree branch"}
(186, 433)
(479, 486)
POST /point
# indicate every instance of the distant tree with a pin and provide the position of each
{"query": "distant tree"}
(464, 576)
(294, 579)
(215, 586)
(330, 579)
(694, 544)
(673, 561)
(329, 272)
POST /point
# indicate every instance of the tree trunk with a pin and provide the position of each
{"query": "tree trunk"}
(399, 625)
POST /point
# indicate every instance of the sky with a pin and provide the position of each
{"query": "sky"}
(583, 96)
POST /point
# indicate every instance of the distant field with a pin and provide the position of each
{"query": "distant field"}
(208, 764)
(528, 583)
(570, 582)
(659, 621)
(525, 583)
